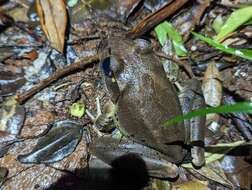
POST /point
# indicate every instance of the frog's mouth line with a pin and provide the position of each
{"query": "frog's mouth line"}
(179, 143)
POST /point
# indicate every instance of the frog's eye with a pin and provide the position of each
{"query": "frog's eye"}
(106, 67)
(142, 45)
(111, 66)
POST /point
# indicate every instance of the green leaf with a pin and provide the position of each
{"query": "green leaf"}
(235, 20)
(245, 107)
(77, 109)
(244, 53)
(164, 29)
(161, 34)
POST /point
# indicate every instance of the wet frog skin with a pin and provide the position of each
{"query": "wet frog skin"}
(144, 99)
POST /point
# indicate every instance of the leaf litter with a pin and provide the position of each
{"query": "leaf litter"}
(45, 149)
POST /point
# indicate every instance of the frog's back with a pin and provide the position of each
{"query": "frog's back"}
(148, 102)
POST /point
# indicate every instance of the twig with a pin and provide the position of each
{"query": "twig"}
(21, 98)
(151, 20)
(187, 67)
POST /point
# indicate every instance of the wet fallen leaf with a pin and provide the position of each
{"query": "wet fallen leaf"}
(212, 87)
(238, 171)
(58, 143)
(10, 81)
(6, 140)
(53, 19)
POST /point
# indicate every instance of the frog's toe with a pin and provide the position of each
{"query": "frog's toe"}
(198, 156)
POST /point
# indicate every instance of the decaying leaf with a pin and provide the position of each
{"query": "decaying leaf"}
(125, 8)
(12, 116)
(196, 184)
(212, 87)
(3, 173)
(53, 19)
(10, 81)
(214, 172)
(238, 171)
(58, 143)
(6, 140)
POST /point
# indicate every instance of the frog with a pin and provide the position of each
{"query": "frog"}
(144, 99)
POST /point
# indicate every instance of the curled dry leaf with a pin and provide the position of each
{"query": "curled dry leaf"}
(58, 143)
(212, 87)
(53, 19)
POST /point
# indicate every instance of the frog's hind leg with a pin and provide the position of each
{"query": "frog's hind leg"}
(191, 99)
(108, 149)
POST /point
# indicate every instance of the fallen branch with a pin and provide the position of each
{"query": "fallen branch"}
(21, 98)
(155, 18)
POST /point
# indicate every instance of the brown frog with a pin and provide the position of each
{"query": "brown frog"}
(144, 100)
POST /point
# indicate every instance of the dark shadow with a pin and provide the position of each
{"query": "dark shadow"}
(242, 150)
(128, 172)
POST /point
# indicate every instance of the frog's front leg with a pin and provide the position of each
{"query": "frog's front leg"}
(191, 98)
(107, 149)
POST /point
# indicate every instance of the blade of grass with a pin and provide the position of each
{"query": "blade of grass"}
(244, 53)
(245, 107)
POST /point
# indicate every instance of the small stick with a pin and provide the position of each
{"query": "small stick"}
(187, 67)
(21, 98)
(155, 18)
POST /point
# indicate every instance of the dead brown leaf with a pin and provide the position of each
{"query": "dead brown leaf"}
(53, 20)
(214, 172)
(212, 87)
